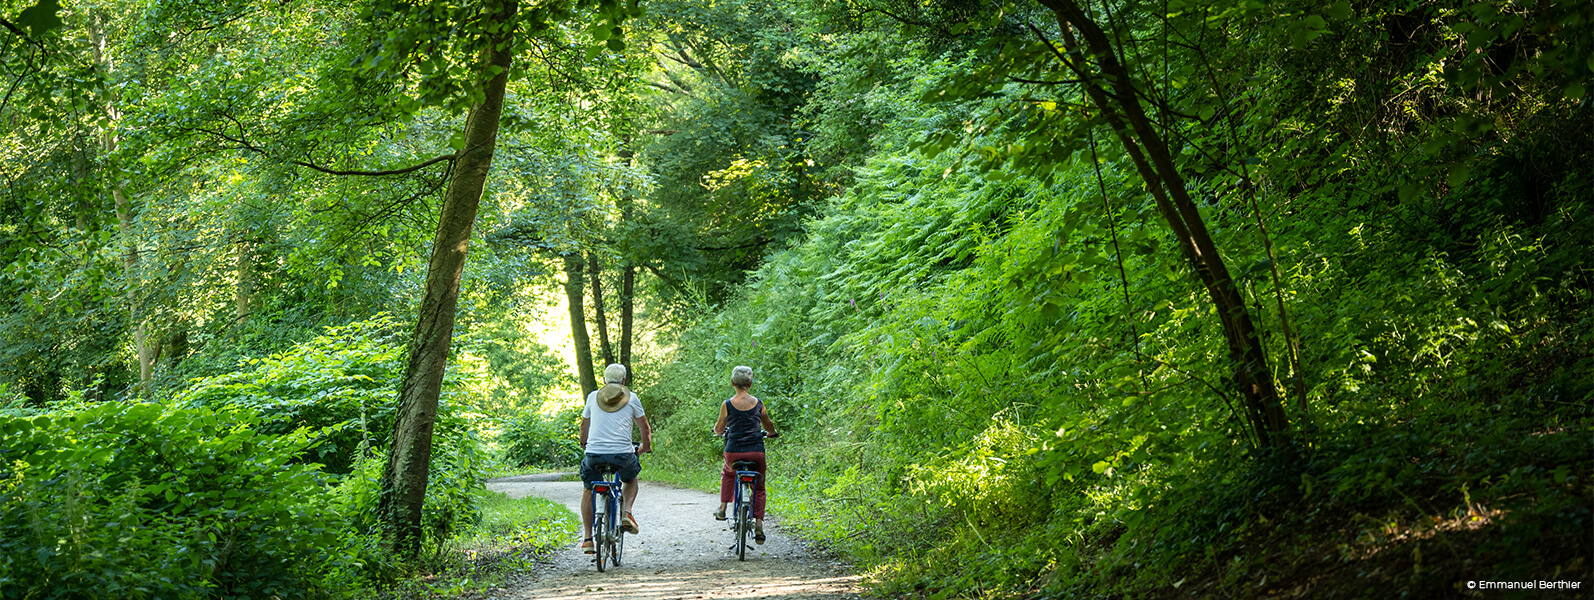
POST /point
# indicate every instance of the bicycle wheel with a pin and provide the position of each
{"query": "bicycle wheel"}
(619, 545)
(744, 525)
(600, 531)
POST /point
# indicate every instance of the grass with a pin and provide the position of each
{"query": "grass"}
(513, 537)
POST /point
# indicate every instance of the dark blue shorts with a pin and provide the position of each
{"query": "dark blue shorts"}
(627, 464)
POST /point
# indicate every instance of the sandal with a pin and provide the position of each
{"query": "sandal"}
(758, 533)
(628, 523)
(719, 515)
(587, 547)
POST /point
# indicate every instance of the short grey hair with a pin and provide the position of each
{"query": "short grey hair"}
(742, 377)
(614, 374)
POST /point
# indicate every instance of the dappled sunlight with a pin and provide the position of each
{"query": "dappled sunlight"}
(1395, 534)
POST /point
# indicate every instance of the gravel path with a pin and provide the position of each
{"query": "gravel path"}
(682, 553)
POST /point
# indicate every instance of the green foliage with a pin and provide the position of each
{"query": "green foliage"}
(145, 501)
(534, 439)
(999, 379)
(341, 385)
(451, 506)
(513, 537)
(341, 382)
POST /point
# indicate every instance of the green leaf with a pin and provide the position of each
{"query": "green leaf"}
(41, 17)
(616, 44)
(1340, 10)
(1573, 91)
(1305, 36)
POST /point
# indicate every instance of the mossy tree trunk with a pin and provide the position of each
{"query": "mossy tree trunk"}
(409, 457)
(574, 295)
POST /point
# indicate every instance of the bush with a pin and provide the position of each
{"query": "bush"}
(533, 439)
(451, 504)
(146, 501)
(343, 385)
(343, 381)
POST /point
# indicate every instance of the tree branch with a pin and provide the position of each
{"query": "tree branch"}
(18, 30)
(245, 145)
(1036, 82)
(668, 88)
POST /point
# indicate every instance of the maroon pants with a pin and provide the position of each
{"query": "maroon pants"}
(728, 479)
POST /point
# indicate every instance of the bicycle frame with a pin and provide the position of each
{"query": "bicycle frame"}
(608, 536)
(742, 507)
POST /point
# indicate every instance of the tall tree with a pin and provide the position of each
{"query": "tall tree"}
(627, 270)
(125, 216)
(1112, 89)
(409, 457)
(595, 268)
(574, 283)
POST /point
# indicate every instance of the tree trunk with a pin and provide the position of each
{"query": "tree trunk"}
(409, 456)
(244, 292)
(125, 224)
(578, 323)
(627, 274)
(627, 285)
(1135, 130)
(595, 269)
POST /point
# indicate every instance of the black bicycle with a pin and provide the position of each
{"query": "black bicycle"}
(608, 534)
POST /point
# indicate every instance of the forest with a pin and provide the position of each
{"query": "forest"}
(1050, 298)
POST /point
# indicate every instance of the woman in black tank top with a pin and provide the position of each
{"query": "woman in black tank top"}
(743, 421)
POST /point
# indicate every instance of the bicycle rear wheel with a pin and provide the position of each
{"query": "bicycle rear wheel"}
(600, 531)
(619, 544)
(744, 525)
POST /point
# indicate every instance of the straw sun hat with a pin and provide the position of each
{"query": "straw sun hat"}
(613, 396)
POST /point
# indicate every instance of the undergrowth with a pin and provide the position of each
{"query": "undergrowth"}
(513, 537)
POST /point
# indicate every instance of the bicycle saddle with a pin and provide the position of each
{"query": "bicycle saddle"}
(745, 465)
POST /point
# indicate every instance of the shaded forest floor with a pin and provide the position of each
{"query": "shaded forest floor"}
(1413, 516)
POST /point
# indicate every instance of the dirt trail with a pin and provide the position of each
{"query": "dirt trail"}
(682, 553)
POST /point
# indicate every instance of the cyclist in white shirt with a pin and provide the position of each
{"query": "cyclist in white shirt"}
(606, 438)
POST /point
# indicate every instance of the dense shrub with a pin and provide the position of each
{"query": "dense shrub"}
(147, 501)
(342, 381)
(342, 385)
(453, 482)
(534, 439)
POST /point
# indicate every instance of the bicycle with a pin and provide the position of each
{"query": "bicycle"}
(741, 515)
(608, 535)
(742, 507)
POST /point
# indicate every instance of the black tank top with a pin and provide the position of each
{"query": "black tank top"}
(743, 427)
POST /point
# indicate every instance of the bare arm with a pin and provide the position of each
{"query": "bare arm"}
(586, 423)
(719, 426)
(769, 425)
(647, 435)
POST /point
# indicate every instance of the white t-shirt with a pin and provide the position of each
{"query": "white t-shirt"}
(610, 432)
